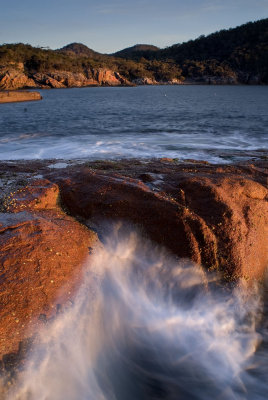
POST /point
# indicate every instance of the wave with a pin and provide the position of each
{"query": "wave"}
(145, 325)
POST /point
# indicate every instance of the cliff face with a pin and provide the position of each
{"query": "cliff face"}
(12, 78)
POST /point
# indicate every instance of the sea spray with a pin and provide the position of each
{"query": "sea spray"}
(147, 326)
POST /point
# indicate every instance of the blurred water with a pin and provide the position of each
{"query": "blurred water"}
(147, 326)
(215, 123)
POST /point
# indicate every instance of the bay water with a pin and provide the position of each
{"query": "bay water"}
(213, 123)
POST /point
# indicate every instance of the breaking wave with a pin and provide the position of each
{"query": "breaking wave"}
(147, 326)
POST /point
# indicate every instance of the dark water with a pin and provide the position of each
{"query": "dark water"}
(216, 123)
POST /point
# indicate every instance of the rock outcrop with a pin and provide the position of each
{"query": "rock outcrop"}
(215, 215)
(72, 79)
(46, 81)
(12, 79)
(149, 81)
(144, 81)
(107, 77)
(218, 217)
(17, 96)
(42, 251)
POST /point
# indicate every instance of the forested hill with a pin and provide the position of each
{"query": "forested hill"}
(136, 51)
(247, 40)
(78, 49)
(242, 51)
(237, 55)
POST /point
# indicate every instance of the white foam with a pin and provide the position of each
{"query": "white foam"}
(145, 326)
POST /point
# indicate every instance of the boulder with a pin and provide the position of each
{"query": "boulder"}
(218, 217)
(42, 251)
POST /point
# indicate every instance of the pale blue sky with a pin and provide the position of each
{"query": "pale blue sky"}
(108, 26)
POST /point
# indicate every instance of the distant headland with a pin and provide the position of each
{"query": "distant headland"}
(235, 56)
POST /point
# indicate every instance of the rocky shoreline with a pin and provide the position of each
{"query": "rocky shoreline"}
(15, 78)
(52, 220)
(12, 78)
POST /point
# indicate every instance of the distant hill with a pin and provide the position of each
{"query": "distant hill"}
(78, 49)
(250, 38)
(243, 50)
(136, 51)
(237, 55)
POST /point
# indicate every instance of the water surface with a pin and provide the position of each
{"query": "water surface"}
(215, 123)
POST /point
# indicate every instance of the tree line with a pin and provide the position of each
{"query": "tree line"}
(240, 52)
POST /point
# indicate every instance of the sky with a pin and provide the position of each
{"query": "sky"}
(107, 26)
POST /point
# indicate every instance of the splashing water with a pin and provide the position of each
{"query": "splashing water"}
(147, 326)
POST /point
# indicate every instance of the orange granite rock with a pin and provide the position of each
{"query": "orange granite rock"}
(42, 251)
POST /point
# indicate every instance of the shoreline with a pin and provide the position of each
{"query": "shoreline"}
(234, 158)
(187, 83)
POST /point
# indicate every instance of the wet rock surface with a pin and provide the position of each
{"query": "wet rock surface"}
(42, 251)
(216, 215)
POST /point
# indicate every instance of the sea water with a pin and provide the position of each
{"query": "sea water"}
(213, 123)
